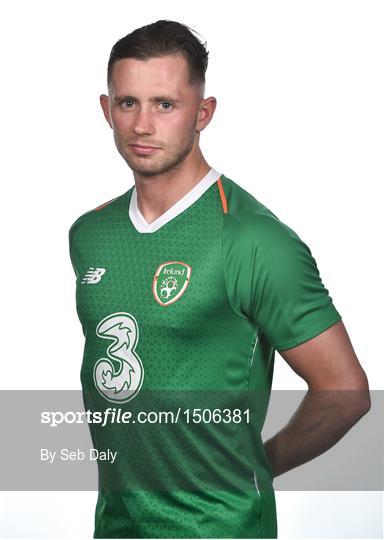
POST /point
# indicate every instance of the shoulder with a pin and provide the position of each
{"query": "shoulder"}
(90, 217)
(248, 222)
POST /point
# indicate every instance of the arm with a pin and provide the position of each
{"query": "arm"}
(329, 409)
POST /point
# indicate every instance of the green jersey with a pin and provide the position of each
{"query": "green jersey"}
(183, 315)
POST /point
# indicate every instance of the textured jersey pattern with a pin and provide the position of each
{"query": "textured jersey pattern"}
(213, 347)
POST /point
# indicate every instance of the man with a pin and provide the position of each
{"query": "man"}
(186, 287)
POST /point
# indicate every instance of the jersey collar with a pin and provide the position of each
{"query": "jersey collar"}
(140, 223)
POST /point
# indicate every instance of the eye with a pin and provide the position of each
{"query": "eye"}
(168, 105)
(125, 101)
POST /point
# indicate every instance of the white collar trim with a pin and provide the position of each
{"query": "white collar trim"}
(140, 223)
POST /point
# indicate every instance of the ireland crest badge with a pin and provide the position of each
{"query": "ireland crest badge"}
(170, 281)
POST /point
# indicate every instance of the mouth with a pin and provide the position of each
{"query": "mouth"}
(141, 149)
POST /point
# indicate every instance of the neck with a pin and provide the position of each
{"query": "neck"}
(156, 194)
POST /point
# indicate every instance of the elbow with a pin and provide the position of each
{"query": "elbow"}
(363, 397)
(357, 396)
(359, 404)
(365, 403)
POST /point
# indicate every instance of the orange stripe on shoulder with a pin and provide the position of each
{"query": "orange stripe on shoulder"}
(222, 196)
(104, 204)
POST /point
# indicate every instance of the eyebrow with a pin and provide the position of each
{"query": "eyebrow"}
(155, 99)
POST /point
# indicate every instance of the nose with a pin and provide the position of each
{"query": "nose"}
(143, 124)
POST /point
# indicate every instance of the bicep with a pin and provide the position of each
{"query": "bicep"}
(327, 361)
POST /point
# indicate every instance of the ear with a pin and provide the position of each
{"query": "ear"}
(104, 102)
(206, 111)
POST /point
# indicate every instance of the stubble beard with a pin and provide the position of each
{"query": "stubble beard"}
(170, 162)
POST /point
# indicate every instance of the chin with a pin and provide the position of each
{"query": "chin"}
(146, 170)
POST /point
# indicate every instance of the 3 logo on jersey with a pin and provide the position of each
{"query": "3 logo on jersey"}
(120, 376)
(121, 384)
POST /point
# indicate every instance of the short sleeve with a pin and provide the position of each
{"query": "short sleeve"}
(71, 256)
(77, 239)
(273, 279)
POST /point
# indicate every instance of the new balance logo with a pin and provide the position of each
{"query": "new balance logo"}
(93, 275)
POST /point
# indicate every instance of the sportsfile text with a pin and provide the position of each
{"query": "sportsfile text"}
(117, 416)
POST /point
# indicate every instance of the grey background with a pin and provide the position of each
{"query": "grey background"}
(355, 463)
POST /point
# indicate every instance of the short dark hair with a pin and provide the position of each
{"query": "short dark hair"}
(162, 38)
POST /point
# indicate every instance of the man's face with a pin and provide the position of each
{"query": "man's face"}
(151, 103)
